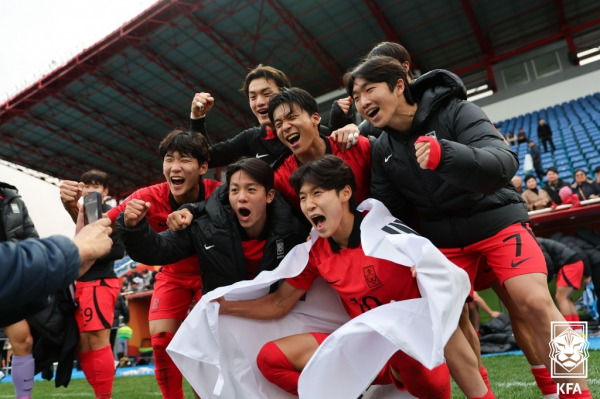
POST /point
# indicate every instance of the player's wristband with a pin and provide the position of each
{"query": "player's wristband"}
(435, 151)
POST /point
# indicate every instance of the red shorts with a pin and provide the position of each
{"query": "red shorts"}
(570, 275)
(96, 301)
(511, 252)
(173, 295)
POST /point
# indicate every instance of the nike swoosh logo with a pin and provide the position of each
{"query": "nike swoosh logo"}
(261, 155)
(515, 264)
(387, 158)
(162, 224)
(487, 269)
(332, 282)
(207, 247)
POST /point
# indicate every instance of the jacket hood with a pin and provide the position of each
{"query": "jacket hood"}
(433, 89)
(4, 186)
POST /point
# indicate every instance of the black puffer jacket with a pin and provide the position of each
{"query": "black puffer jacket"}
(557, 255)
(16, 221)
(215, 236)
(469, 196)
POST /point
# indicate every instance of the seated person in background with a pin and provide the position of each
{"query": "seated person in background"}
(567, 197)
(597, 173)
(521, 137)
(244, 228)
(511, 138)
(567, 266)
(554, 184)
(535, 198)
(518, 183)
(584, 188)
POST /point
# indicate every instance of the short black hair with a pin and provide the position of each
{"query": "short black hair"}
(95, 176)
(527, 177)
(392, 49)
(552, 169)
(329, 173)
(379, 69)
(597, 169)
(258, 169)
(291, 97)
(185, 142)
(267, 72)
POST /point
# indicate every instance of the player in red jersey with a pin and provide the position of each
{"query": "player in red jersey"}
(294, 114)
(327, 199)
(178, 285)
(96, 292)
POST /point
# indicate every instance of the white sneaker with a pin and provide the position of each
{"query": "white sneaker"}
(1, 375)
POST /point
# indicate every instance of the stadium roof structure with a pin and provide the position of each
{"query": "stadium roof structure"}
(109, 106)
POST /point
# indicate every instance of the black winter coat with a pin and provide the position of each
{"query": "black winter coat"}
(215, 236)
(557, 255)
(249, 143)
(469, 196)
(15, 217)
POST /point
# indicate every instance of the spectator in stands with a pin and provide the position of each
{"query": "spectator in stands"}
(518, 183)
(96, 292)
(567, 197)
(584, 187)
(16, 225)
(521, 136)
(597, 173)
(545, 135)
(535, 197)
(511, 138)
(554, 184)
(567, 266)
(185, 160)
(536, 157)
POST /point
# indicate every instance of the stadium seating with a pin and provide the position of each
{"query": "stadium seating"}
(576, 134)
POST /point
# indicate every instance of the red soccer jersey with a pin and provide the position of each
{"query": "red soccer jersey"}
(358, 157)
(163, 204)
(253, 252)
(362, 282)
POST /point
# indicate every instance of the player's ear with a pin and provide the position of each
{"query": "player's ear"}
(203, 168)
(346, 193)
(270, 196)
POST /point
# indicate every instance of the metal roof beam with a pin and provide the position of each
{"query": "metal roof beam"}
(388, 29)
(486, 49)
(564, 27)
(177, 74)
(528, 47)
(308, 41)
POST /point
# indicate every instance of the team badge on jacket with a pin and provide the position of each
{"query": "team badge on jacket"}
(280, 251)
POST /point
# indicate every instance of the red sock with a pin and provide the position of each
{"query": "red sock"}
(167, 374)
(99, 369)
(277, 368)
(488, 395)
(543, 380)
(585, 394)
(418, 380)
(484, 374)
(572, 317)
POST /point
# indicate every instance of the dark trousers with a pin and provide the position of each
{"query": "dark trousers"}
(545, 142)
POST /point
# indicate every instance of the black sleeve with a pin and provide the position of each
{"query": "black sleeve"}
(338, 119)
(227, 152)
(146, 246)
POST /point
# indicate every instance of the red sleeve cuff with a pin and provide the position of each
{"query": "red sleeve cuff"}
(435, 151)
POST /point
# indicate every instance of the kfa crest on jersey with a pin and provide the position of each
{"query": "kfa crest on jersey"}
(280, 249)
(397, 227)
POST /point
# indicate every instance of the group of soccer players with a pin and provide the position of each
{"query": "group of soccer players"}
(431, 157)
